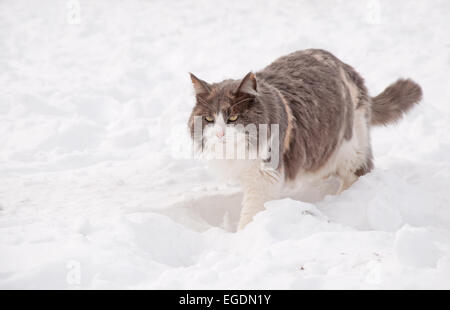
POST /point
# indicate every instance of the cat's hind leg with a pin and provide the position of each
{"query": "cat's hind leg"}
(347, 180)
(355, 156)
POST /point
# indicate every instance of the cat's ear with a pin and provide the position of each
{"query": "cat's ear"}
(248, 85)
(200, 86)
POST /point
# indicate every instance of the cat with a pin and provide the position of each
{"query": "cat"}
(323, 114)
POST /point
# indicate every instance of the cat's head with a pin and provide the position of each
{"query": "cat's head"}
(223, 111)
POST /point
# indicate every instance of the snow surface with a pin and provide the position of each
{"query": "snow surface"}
(96, 190)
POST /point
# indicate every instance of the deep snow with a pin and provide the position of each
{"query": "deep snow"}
(96, 190)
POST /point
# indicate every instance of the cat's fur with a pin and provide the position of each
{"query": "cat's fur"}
(324, 114)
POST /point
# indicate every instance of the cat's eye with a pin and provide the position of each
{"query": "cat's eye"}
(209, 119)
(233, 118)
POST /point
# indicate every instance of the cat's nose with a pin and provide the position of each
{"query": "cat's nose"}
(220, 134)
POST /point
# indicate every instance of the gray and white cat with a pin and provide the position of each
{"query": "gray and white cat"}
(323, 115)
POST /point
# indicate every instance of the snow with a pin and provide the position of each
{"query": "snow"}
(415, 247)
(97, 189)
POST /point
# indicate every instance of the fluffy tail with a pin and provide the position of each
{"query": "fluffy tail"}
(394, 101)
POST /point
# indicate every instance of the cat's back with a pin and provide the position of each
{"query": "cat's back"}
(301, 65)
(308, 78)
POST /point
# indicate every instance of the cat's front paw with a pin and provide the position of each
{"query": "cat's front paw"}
(243, 223)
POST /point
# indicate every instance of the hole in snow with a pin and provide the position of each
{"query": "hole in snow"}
(201, 213)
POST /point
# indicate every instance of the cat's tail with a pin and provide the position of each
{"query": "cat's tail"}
(394, 101)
